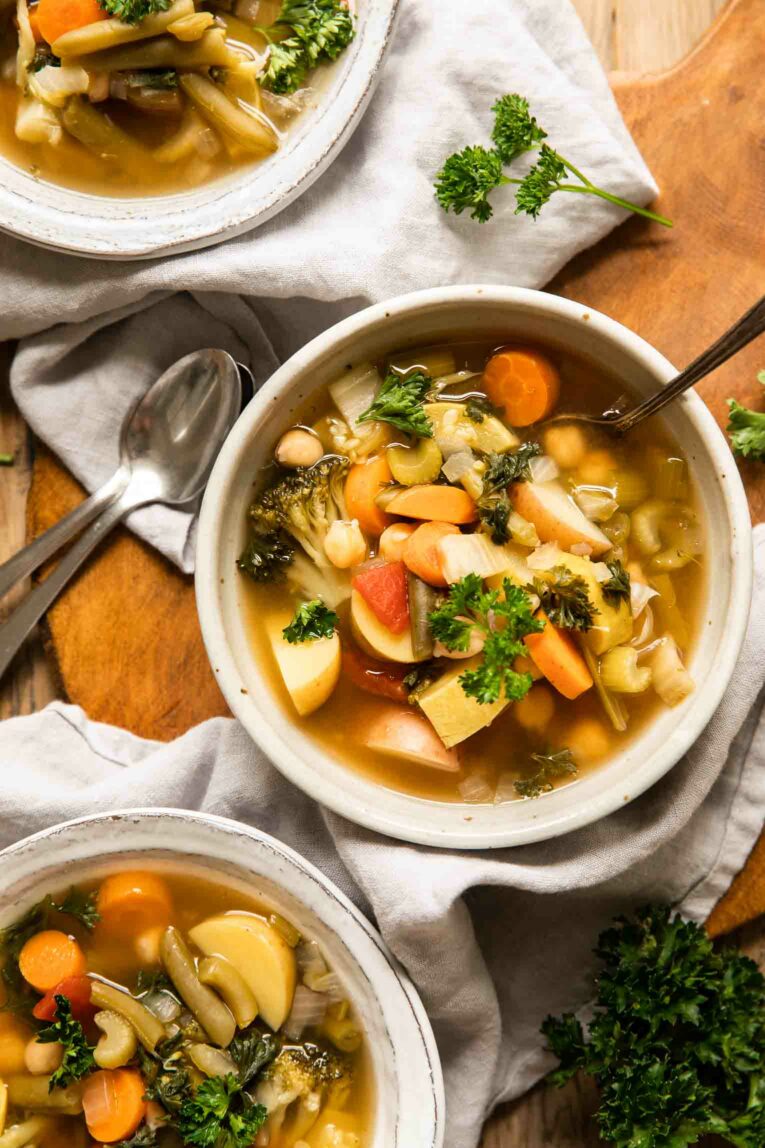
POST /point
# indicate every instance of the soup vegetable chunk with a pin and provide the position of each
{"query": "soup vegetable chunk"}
(153, 1010)
(142, 96)
(498, 603)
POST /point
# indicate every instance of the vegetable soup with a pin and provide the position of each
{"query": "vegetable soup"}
(142, 97)
(458, 600)
(152, 1009)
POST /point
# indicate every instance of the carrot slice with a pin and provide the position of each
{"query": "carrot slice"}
(557, 656)
(524, 382)
(128, 903)
(50, 957)
(421, 554)
(56, 17)
(364, 482)
(113, 1102)
(435, 503)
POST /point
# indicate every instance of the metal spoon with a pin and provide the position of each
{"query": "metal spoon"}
(748, 327)
(168, 445)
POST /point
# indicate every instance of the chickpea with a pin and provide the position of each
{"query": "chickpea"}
(298, 447)
(42, 1059)
(146, 945)
(566, 445)
(393, 540)
(345, 545)
(535, 711)
(588, 739)
(475, 645)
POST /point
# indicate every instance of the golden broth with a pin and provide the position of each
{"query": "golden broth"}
(501, 753)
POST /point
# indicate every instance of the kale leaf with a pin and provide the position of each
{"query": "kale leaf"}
(399, 402)
(549, 767)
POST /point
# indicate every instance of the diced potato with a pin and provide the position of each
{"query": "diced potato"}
(310, 670)
(260, 955)
(487, 436)
(556, 516)
(612, 623)
(375, 638)
(453, 714)
(399, 732)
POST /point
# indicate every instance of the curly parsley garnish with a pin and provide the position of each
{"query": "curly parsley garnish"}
(677, 1042)
(503, 618)
(617, 588)
(134, 11)
(312, 621)
(468, 177)
(746, 428)
(564, 598)
(220, 1114)
(502, 470)
(399, 402)
(549, 767)
(319, 30)
(77, 1060)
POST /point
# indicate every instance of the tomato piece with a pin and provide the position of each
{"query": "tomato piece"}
(77, 992)
(379, 678)
(383, 588)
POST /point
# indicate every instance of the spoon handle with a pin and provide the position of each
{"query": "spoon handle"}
(46, 545)
(24, 618)
(748, 327)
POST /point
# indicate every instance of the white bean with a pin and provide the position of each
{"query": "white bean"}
(298, 447)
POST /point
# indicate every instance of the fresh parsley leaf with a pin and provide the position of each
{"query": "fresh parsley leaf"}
(617, 588)
(564, 598)
(503, 618)
(549, 767)
(219, 1115)
(319, 31)
(265, 556)
(746, 429)
(399, 402)
(677, 1040)
(287, 67)
(478, 407)
(467, 179)
(419, 678)
(43, 58)
(494, 513)
(81, 906)
(134, 11)
(251, 1051)
(502, 470)
(154, 981)
(312, 621)
(77, 1060)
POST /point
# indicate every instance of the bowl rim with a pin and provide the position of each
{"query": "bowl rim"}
(395, 993)
(372, 814)
(86, 225)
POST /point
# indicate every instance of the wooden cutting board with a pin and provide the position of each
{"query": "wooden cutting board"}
(125, 635)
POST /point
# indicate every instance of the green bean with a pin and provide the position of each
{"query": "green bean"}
(99, 135)
(32, 1092)
(220, 974)
(19, 1135)
(246, 129)
(422, 601)
(210, 50)
(206, 1005)
(148, 1028)
(106, 33)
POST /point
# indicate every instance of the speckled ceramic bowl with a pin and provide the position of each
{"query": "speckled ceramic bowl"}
(424, 317)
(108, 227)
(408, 1098)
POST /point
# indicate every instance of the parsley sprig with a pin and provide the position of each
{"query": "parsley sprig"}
(617, 588)
(503, 618)
(550, 766)
(319, 30)
(312, 621)
(399, 402)
(218, 1114)
(746, 428)
(468, 177)
(77, 1059)
(501, 470)
(134, 11)
(564, 598)
(677, 1042)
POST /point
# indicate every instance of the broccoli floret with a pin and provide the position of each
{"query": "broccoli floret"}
(299, 508)
(306, 1074)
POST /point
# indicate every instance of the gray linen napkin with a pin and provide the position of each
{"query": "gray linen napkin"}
(368, 229)
(493, 941)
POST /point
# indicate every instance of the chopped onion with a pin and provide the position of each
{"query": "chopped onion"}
(640, 595)
(506, 790)
(475, 789)
(646, 629)
(164, 1006)
(543, 468)
(308, 1008)
(601, 571)
(56, 85)
(545, 557)
(458, 463)
(596, 504)
(310, 962)
(329, 984)
(582, 549)
(671, 680)
(353, 393)
(207, 143)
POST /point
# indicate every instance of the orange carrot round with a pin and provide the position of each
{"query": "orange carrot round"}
(56, 17)
(524, 383)
(558, 657)
(421, 554)
(113, 1103)
(50, 957)
(364, 482)
(128, 903)
(434, 503)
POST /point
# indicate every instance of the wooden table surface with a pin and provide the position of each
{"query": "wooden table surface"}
(629, 35)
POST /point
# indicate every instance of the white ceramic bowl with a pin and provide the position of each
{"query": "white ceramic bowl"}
(109, 227)
(408, 1088)
(417, 319)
